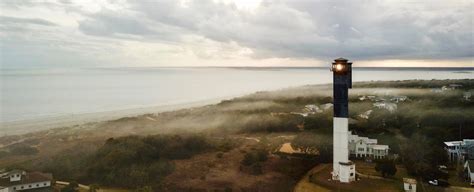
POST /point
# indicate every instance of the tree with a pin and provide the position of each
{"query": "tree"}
(254, 157)
(386, 167)
(422, 158)
(144, 189)
(93, 188)
(72, 187)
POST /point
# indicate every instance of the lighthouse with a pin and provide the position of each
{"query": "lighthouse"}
(343, 169)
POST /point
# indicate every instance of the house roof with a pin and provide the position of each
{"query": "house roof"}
(372, 141)
(15, 171)
(380, 147)
(452, 143)
(340, 59)
(31, 177)
(409, 180)
(468, 141)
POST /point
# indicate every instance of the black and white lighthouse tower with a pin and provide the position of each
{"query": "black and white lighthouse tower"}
(343, 169)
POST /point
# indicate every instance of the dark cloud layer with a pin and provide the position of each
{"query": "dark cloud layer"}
(307, 29)
(301, 29)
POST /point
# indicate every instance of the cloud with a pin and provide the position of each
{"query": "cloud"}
(299, 30)
(22, 21)
(316, 29)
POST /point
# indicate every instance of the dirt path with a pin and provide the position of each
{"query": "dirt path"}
(305, 186)
(459, 189)
(85, 187)
(370, 176)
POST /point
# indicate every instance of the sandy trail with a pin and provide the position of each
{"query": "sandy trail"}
(305, 186)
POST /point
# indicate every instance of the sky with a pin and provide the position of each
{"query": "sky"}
(260, 33)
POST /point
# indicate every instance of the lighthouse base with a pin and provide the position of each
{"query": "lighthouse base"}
(346, 172)
(343, 169)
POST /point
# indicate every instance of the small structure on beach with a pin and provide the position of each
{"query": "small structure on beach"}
(409, 185)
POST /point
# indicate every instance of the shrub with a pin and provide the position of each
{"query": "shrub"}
(386, 167)
(254, 157)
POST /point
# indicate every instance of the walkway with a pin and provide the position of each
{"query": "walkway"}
(305, 186)
(67, 183)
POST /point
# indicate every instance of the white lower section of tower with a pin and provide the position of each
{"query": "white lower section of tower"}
(343, 169)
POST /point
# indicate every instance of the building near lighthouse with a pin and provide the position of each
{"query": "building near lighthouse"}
(343, 169)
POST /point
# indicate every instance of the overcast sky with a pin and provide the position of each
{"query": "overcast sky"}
(118, 33)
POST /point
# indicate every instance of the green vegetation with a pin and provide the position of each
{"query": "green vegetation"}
(72, 187)
(254, 160)
(131, 161)
(312, 141)
(22, 149)
(254, 157)
(422, 157)
(139, 161)
(386, 167)
(466, 84)
(94, 188)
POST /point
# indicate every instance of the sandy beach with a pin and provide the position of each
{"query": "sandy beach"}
(40, 124)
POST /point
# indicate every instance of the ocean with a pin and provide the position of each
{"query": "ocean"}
(37, 93)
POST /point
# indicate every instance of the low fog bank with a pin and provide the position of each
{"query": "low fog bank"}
(413, 110)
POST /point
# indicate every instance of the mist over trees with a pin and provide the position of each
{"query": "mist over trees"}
(415, 131)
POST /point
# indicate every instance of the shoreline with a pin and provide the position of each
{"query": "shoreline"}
(20, 127)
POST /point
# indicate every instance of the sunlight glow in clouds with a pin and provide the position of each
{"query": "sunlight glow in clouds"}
(89, 33)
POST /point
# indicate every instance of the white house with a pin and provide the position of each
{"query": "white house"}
(454, 86)
(380, 151)
(469, 169)
(451, 87)
(312, 109)
(460, 150)
(366, 147)
(386, 105)
(409, 185)
(18, 180)
(454, 149)
(366, 114)
(326, 106)
(467, 95)
(398, 99)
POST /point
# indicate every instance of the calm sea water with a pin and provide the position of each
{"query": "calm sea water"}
(36, 93)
